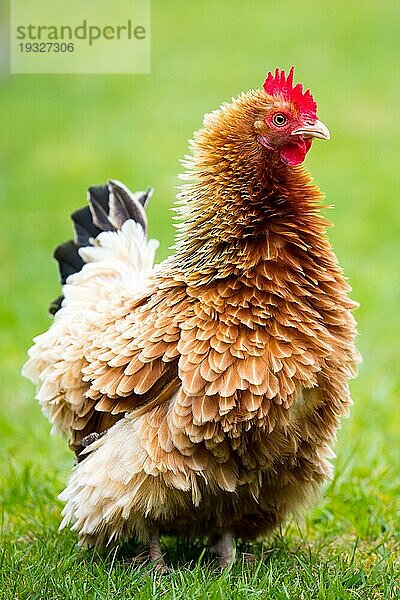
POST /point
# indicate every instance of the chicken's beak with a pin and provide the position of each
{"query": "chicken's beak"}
(314, 130)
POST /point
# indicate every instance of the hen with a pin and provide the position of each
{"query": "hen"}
(203, 394)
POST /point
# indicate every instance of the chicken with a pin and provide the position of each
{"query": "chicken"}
(203, 395)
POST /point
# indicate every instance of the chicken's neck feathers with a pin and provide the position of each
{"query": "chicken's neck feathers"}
(239, 204)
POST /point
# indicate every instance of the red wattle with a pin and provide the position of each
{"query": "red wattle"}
(295, 152)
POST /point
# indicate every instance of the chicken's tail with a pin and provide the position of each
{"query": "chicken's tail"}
(107, 265)
(110, 208)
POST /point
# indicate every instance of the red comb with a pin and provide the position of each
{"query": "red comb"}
(278, 84)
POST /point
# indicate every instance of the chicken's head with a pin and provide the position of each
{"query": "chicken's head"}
(289, 121)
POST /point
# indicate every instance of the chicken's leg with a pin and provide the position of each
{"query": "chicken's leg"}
(150, 553)
(155, 554)
(223, 548)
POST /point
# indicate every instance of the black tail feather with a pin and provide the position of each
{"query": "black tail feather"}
(68, 259)
(123, 206)
(99, 207)
(84, 226)
(109, 207)
(145, 197)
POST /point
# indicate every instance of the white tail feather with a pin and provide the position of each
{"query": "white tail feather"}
(118, 266)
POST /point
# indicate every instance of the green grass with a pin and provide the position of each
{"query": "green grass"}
(61, 133)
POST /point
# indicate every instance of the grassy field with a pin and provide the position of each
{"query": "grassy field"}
(61, 133)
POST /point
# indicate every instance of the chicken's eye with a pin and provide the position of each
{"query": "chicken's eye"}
(279, 120)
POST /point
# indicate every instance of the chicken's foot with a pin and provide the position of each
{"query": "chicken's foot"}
(223, 548)
(155, 554)
(150, 553)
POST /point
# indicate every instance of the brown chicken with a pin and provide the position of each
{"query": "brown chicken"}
(203, 394)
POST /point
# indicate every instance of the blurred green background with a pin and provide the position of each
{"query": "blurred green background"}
(61, 133)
